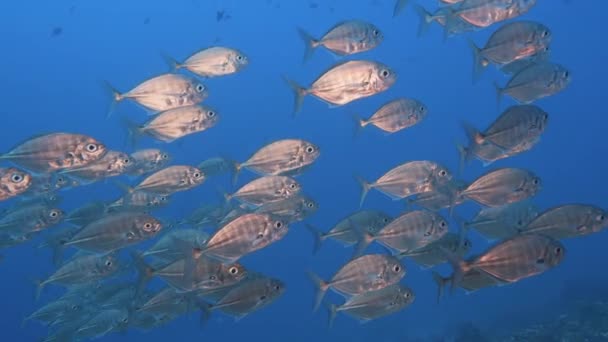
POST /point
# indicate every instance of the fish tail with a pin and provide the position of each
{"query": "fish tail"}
(310, 44)
(57, 247)
(117, 96)
(237, 171)
(317, 236)
(39, 287)
(499, 93)
(441, 283)
(299, 94)
(144, 272)
(479, 62)
(359, 124)
(472, 137)
(399, 6)
(451, 20)
(426, 19)
(321, 287)
(333, 312)
(173, 64)
(459, 266)
(365, 187)
(206, 309)
(134, 131)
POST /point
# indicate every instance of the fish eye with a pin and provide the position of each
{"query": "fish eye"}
(407, 295)
(197, 175)
(239, 57)
(601, 217)
(74, 307)
(212, 277)
(443, 224)
(92, 147)
(164, 156)
(443, 173)
(233, 270)
(545, 33)
(210, 113)
(558, 250)
(126, 320)
(293, 185)
(200, 88)
(422, 108)
(546, 117)
(397, 268)
(376, 32)
(536, 181)
(148, 225)
(310, 205)
(385, 73)
(278, 224)
(126, 160)
(310, 149)
(163, 198)
(17, 178)
(566, 74)
(109, 263)
(54, 213)
(467, 243)
(277, 287)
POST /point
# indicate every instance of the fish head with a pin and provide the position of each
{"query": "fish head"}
(198, 92)
(464, 248)
(308, 206)
(420, 110)
(59, 182)
(274, 289)
(290, 187)
(147, 225)
(532, 185)
(373, 36)
(562, 78)
(239, 60)
(384, 77)
(156, 201)
(597, 219)
(310, 152)
(276, 229)
(380, 221)
(123, 163)
(440, 175)
(206, 117)
(542, 36)
(394, 270)
(108, 264)
(195, 176)
(438, 229)
(16, 181)
(90, 150)
(231, 274)
(553, 253)
(539, 122)
(53, 216)
(405, 296)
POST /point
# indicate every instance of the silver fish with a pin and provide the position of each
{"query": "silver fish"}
(171, 179)
(214, 61)
(535, 82)
(165, 92)
(267, 189)
(503, 186)
(346, 82)
(148, 161)
(112, 164)
(396, 115)
(345, 38)
(568, 221)
(282, 157)
(503, 221)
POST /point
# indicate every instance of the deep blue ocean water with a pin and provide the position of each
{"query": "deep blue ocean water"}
(53, 83)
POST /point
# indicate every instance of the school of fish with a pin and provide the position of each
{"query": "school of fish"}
(201, 258)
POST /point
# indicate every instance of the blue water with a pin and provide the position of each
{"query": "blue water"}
(54, 84)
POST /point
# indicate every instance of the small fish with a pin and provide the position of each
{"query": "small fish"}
(396, 115)
(267, 189)
(167, 299)
(458, 26)
(164, 92)
(511, 42)
(504, 221)
(408, 179)
(190, 274)
(244, 235)
(445, 196)
(115, 231)
(55, 310)
(521, 64)
(171, 179)
(31, 219)
(346, 82)
(213, 62)
(216, 166)
(483, 13)
(55, 152)
(87, 213)
(148, 161)
(345, 38)
(112, 164)
(503, 186)
(368, 221)
(138, 201)
(103, 323)
(472, 280)
(208, 214)
(568, 221)
(13, 182)
(376, 304)
(514, 259)
(173, 124)
(535, 82)
(249, 296)
(287, 157)
(433, 254)
(409, 232)
(293, 209)
(515, 131)
(83, 269)
(364, 274)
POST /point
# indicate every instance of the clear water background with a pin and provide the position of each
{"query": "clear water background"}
(53, 84)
